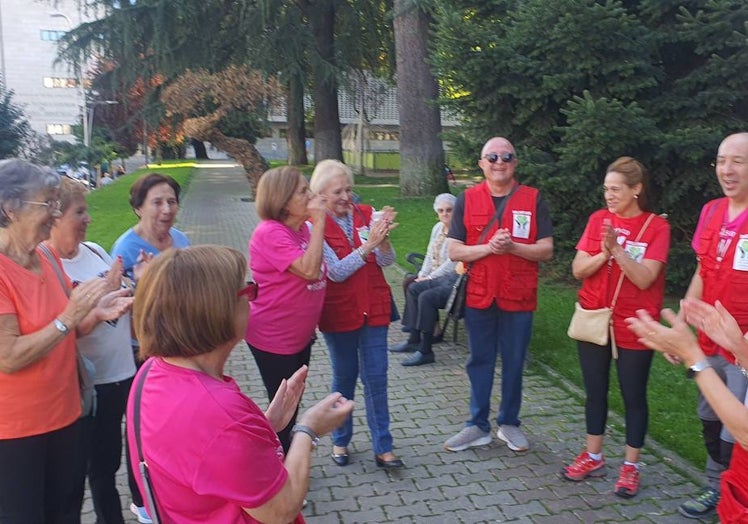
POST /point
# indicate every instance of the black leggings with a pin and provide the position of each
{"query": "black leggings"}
(40, 477)
(633, 373)
(273, 369)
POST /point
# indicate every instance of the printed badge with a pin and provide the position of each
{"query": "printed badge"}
(363, 233)
(521, 224)
(636, 250)
(740, 261)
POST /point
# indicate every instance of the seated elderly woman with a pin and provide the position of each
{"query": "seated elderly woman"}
(216, 457)
(430, 290)
(680, 344)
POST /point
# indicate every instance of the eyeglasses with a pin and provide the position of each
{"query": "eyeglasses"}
(504, 157)
(51, 205)
(444, 210)
(249, 291)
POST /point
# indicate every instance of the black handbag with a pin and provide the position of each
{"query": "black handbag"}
(455, 308)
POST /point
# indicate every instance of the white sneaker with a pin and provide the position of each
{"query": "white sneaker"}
(141, 513)
(469, 437)
(513, 436)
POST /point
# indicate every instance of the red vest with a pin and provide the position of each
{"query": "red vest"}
(720, 281)
(509, 280)
(733, 500)
(364, 297)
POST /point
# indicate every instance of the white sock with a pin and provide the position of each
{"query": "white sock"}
(627, 463)
(595, 456)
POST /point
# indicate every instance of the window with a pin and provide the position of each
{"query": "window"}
(51, 36)
(56, 82)
(58, 129)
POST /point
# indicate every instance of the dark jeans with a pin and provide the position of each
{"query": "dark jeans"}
(40, 477)
(105, 450)
(273, 369)
(423, 301)
(633, 373)
(493, 332)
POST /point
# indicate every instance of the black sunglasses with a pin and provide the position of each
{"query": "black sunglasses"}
(504, 157)
(249, 291)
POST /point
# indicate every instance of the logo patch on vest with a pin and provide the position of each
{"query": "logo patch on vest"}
(740, 260)
(521, 224)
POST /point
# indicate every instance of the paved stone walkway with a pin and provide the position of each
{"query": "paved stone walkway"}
(428, 405)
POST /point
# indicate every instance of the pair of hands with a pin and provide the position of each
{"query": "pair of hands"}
(323, 417)
(678, 342)
(103, 295)
(501, 242)
(609, 241)
(379, 231)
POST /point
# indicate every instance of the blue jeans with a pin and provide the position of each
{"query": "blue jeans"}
(362, 351)
(492, 331)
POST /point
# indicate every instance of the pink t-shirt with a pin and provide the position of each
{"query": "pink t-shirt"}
(285, 313)
(209, 448)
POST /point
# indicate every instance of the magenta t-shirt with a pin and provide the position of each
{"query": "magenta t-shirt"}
(210, 450)
(283, 317)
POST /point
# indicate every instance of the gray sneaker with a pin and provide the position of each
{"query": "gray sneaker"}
(513, 436)
(469, 437)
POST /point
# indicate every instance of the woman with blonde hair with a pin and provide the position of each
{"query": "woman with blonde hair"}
(357, 308)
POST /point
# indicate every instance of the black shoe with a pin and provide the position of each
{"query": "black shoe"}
(405, 347)
(395, 463)
(341, 459)
(419, 359)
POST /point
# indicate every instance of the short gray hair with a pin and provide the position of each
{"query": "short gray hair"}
(447, 198)
(325, 171)
(19, 180)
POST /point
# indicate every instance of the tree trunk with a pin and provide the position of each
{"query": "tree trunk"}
(327, 140)
(421, 149)
(200, 152)
(295, 132)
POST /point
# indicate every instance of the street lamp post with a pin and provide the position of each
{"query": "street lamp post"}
(92, 108)
(81, 87)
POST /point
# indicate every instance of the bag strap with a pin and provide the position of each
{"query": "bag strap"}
(620, 278)
(496, 216)
(142, 464)
(55, 265)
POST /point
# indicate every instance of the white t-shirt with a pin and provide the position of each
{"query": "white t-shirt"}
(108, 345)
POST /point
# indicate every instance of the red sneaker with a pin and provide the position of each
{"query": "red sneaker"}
(628, 482)
(584, 466)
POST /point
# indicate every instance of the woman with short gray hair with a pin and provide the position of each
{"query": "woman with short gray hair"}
(40, 445)
(430, 291)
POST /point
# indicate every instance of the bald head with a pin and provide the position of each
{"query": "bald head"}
(497, 143)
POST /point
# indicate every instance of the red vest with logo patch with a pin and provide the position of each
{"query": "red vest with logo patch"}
(509, 280)
(720, 280)
(364, 297)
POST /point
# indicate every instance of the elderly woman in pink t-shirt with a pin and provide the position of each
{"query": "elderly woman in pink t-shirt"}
(286, 262)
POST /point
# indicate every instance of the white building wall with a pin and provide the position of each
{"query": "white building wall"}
(27, 55)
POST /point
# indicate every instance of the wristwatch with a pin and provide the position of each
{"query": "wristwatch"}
(300, 428)
(61, 327)
(701, 365)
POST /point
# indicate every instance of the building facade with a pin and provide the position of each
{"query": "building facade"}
(50, 94)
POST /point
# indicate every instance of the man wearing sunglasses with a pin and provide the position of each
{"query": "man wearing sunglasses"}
(501, 290)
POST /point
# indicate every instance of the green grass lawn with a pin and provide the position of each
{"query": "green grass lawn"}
(672, 398)
(109, 206)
